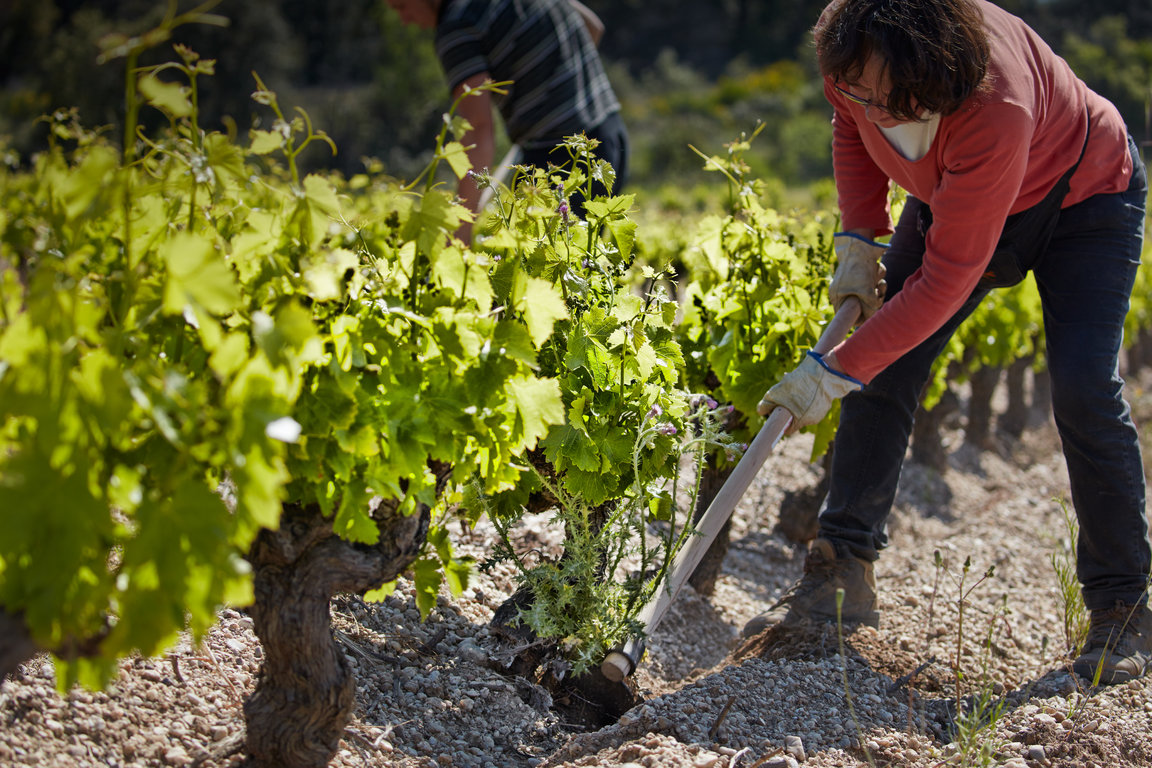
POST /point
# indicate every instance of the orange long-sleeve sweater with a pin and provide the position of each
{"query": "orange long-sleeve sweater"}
(998, 155)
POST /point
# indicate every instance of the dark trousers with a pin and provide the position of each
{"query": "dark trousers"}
(1085, 276)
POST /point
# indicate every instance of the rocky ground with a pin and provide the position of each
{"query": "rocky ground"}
(438, 694)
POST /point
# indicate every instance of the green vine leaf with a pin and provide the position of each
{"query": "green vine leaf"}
(427, 579)
(197, 274)
(171, 98)
(542, 306)
(265, 142)
(538, 405)
(457, 158)
(352, 521)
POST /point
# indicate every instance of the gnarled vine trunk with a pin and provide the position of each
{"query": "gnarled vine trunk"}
(305, 691)
(1041, 409)
(713, 475)
(712, 479)
(979, 425)
(800, 510)
(16, 643)
(927, 432)
(18, 646)
(1139, 352)
(1015, 417)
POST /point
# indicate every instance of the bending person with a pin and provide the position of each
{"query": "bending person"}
(1012, 164)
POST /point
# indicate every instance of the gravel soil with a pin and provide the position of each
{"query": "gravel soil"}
(438, 693)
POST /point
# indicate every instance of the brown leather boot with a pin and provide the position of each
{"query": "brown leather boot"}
(1119, 644)
(813, 598)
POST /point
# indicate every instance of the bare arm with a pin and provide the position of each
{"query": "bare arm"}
(591, 21)
(480, 143)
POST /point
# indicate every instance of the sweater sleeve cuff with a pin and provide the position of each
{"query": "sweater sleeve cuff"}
(853, 367)
(820, 359)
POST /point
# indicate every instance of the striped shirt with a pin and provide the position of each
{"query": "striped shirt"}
(559, 87)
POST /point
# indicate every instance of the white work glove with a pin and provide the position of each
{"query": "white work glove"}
(808, 391)
(858, 273)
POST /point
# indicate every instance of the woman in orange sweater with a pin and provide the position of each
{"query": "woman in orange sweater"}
(1012, 164)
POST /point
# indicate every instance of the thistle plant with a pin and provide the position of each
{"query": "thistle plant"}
(587, 600)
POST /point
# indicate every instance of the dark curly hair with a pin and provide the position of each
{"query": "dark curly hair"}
(935, 52)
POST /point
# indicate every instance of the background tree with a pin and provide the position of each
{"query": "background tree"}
(685, 72)
(1117, 66)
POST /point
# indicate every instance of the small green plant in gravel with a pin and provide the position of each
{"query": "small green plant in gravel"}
(844, 676)
(977, 702)
(961, 604)
(1073, 614)
(978, 713)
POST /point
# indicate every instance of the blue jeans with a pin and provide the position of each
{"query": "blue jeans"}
(1085, 277)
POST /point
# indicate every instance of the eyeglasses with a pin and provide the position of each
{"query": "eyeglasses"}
(858, 100)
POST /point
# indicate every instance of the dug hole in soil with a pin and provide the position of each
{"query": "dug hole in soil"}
(439, 692)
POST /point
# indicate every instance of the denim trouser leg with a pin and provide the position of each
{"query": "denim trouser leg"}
(1085, 280)
(876, 422)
